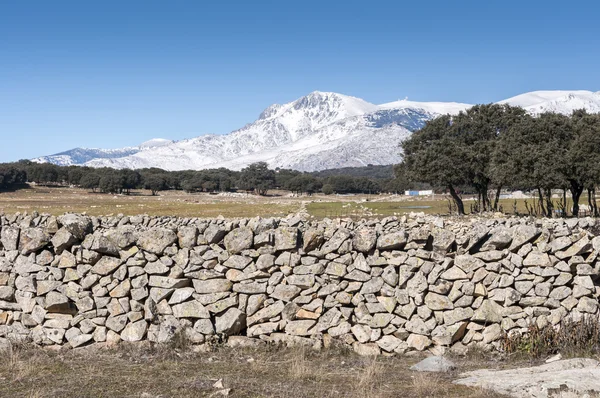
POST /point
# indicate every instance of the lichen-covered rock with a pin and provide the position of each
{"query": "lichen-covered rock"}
(392, 241)
(233, 321)
(156, 240)
(78, 225)
(238, 240)
(63, 240)
(32, 239)
(9, 236)
(364, 240)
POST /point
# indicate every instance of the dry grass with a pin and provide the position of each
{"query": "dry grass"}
(145, 371)
(58, 200)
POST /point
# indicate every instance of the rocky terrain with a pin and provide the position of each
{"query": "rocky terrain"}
(382, 286)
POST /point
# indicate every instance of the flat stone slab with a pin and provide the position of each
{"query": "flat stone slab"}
(566, 378)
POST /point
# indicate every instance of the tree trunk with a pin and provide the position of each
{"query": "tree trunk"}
(497, 198)
(459, 203)
(576, 190)
(549, 204)
(541, 197)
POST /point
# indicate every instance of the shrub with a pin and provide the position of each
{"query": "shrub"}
(570, 339)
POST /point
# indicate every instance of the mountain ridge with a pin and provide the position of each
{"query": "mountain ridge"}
(318, 131)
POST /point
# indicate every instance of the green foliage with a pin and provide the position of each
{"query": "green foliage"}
(11, 175)
(303, 183)
(499, 146)
(258, 178)
(90, 181)
(327, 189)
(156, 183)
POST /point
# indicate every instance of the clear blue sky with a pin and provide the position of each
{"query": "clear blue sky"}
(116, 73)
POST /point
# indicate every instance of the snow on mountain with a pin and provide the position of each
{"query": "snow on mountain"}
(319, 131)
(155, 143)
(433, 108)
(315, 131)
(558, 101)
(80, 156)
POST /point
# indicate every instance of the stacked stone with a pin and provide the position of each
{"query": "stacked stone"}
(390, 285)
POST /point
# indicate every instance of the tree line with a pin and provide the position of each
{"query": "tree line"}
(256, 178)
(489, 148)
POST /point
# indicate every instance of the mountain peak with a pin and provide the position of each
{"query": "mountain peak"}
(318, 131)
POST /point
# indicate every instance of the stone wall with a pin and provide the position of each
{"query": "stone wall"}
(392, 285)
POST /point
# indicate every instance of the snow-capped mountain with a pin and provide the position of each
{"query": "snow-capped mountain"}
(319, 131)
(556, 101)
(80, 156)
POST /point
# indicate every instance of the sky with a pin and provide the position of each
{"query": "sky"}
(111, 74)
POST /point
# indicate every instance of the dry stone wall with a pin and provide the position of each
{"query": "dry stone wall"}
(390, 285)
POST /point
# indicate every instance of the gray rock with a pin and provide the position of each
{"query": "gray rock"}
(32, 239)
(9, 236)
(190, 309)
(135, 331)
(79, 226)
(488, 312)
(212, 286)
(286, 238)
(63, 240)
(434, 364)
(187, 236)
(500, 238)
(443, 240)
(238, 240)
(392, 241)
(233, 321)
(364, 240)
(312, 239)
(569, 378)
(334, 243)
(106, 265)
(156, 240)
(523, 234)
(214, 233)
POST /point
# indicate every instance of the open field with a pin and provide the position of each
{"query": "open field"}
(132, 371)
(58, 200)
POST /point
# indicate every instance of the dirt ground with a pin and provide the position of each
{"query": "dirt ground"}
(135, 371)
(58, 200)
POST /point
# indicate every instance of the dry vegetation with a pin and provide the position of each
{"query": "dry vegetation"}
(134, 371)
(58, 200)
